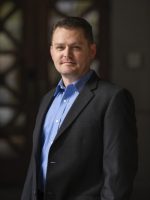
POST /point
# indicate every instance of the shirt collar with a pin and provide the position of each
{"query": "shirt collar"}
(79, 84)
(60, 88)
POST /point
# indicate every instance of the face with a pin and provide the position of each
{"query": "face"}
(71, 53)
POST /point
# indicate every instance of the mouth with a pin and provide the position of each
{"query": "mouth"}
(68, 62)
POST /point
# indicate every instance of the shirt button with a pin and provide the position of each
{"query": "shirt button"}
(57, 120)
(51, 142)
(65, 100)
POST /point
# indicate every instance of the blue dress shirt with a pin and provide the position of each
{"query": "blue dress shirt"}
(64, 98)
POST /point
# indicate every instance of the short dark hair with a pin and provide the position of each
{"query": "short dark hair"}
(75, 22)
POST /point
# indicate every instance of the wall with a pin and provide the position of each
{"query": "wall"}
(130, 68)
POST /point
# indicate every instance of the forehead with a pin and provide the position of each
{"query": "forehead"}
(66, 34)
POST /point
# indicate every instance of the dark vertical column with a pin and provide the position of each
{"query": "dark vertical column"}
(104, 43)
(35, 58)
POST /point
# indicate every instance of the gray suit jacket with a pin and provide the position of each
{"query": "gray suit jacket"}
(94, 155)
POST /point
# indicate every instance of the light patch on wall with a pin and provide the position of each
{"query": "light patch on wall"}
(134, 60)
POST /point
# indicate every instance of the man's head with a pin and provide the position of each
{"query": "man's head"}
(75, 23)
(72, 48)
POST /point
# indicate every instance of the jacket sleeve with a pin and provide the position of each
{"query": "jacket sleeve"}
(120, 156)
(27, 189)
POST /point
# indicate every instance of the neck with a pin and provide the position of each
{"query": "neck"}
(68, 79)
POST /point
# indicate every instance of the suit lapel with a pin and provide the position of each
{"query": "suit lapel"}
(79, 105)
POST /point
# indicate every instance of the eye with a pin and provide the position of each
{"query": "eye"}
(59, 48)
(76, 47)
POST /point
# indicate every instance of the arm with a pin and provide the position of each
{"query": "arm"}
(27, 189)
(120, 148)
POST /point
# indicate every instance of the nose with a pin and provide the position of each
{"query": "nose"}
(67, 52)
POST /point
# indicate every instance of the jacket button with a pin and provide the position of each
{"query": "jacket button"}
(52, 162)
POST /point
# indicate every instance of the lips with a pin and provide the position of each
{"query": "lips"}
(68, 62)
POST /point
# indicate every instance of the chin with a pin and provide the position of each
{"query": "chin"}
(68, 73)
(68, 70)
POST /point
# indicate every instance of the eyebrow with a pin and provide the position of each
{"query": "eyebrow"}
(56, 44)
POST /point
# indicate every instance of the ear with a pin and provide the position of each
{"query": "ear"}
(51, 51)
(93, 50)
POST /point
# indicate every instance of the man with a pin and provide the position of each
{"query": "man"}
(84, 142)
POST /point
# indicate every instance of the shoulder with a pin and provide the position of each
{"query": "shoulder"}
(48, 95)
(104, 87)
(107, 90)
(46, 99)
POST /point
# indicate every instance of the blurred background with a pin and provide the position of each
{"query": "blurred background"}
(122, 33)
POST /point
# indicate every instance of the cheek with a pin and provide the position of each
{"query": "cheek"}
(54, 55)
(84, 58)
(81, 57)
(55, 58)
